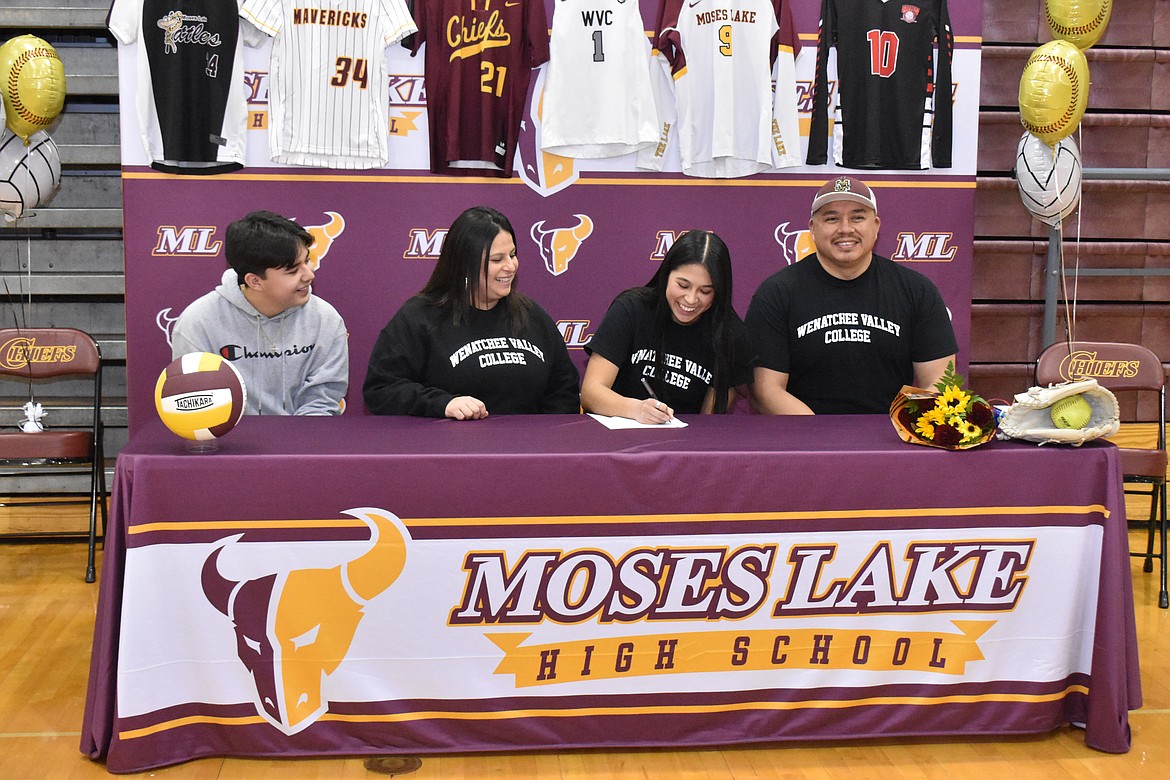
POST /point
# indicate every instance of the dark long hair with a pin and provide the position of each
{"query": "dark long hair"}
(698, 247)
(462, 267)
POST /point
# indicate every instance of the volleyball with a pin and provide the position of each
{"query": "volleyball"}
(1049, 178)
(1080, 22)
(200, 396)
(1054, 91)
(29, 175)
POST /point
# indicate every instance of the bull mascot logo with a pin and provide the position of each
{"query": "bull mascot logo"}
(559, 245)
(795, 244)
(166, 323)
(294, 629)
(323, 236)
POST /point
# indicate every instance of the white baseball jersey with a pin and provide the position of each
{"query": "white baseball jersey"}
(329, 93)
(190, 101)
(598, 100)
(723, 55)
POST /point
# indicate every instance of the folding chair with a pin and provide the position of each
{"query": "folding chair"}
(31, 360)
(1124, 368)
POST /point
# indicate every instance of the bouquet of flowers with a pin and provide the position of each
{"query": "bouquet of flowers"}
(947, 417)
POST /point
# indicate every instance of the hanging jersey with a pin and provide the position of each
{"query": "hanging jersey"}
(894, 104)
(479, 60)
(722, 55)
(191, 106)
(329, 92)
(598, 100)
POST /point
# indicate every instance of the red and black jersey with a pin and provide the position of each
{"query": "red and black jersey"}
(894, 104)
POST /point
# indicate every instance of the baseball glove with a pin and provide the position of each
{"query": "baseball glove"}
(1030, 416)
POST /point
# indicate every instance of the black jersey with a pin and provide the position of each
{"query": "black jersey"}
(894, 102)
(191, 106)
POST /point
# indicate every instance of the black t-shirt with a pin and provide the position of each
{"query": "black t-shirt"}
(626, 339)
(421, 361)
(848, 346)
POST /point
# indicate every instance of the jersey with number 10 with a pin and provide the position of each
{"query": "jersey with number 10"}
(329, 93)
(894, 100)
(722, 54)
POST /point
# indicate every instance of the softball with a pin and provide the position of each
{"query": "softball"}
(1071, 412)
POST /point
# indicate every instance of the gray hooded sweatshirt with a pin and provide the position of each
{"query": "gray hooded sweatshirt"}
(294, 363)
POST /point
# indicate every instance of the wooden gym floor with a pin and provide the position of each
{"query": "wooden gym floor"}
(46, 622)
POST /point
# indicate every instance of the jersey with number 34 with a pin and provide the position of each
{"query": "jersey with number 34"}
(329, 93)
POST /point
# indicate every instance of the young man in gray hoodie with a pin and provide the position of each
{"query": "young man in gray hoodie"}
(289, 345)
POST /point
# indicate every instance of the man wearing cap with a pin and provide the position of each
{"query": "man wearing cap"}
(841, 331)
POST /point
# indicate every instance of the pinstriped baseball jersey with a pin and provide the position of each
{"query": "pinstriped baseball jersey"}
(598, 99)
(190, 104)
(329, 93)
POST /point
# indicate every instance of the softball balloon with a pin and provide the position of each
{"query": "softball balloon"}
(34, 84)
(1080, 22)
(1071, 412)
(1054, 91)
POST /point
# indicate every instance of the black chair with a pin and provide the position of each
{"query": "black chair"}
(32, 359)
(1124, 368)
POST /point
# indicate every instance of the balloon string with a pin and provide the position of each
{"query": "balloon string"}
(1077, 262)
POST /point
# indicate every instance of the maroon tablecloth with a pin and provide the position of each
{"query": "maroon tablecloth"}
(564, 585)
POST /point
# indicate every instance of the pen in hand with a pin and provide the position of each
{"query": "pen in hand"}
(657, 403)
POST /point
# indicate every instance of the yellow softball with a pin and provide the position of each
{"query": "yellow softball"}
(1071, 412)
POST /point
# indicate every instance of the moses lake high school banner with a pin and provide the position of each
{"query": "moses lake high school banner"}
(585, 228)
(381, 615)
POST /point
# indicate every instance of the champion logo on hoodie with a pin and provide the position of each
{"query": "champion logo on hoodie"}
(236, 352)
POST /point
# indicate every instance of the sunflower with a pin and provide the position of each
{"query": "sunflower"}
(953, 399)
(970, 431)
(935, 415)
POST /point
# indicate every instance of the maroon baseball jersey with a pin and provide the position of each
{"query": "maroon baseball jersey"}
(479, 60)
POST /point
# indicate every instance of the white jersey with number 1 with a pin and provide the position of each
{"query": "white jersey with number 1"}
(328, 93)
(598, 100)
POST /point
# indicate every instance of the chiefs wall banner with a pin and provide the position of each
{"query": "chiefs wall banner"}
(585, 229)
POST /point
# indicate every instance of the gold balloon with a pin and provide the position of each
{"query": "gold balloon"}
(34, 85)
(1054, 91)
(1080, 22)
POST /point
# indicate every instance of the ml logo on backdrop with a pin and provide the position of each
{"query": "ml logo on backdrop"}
(423, 244)
(924, 247)
(176, 241)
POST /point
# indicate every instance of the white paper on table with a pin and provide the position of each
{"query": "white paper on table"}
(624, 423)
